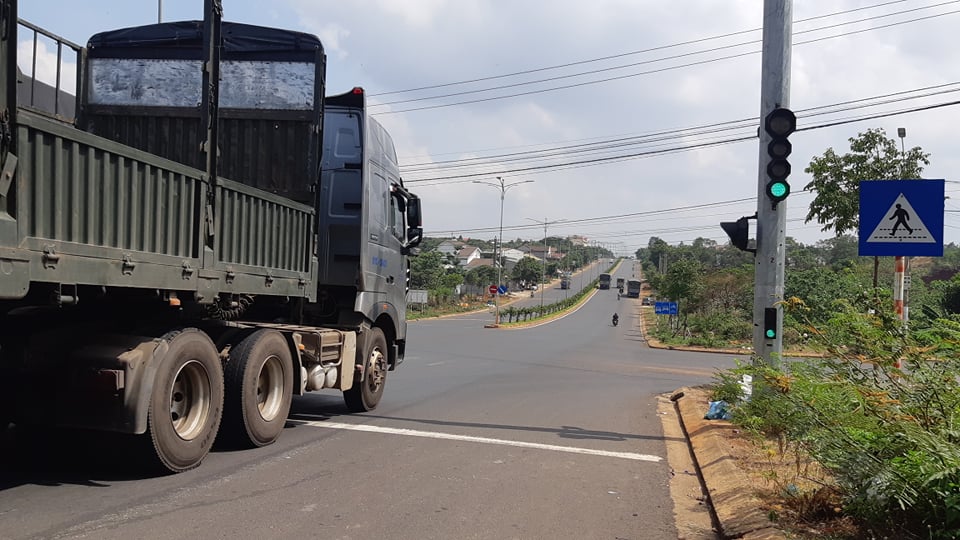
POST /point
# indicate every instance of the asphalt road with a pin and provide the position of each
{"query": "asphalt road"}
(553, 293)
(547, 432)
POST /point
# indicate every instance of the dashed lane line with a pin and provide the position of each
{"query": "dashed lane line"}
(483, 440)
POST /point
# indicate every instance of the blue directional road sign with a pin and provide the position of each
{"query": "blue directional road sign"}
(502, 289)
(901, 218)
(665, 308)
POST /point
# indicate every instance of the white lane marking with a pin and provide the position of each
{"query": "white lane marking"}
(436, 364)
(484, 440)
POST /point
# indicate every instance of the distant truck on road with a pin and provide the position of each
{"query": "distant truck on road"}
(565, 278)
(210, 237)
(633, 288)
(604, 281)
(620, 283)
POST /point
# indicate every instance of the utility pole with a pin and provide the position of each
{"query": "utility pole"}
(543, 269)
(771, 217)
(497, 261)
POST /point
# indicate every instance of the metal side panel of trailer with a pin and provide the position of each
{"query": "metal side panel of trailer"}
(84, 210)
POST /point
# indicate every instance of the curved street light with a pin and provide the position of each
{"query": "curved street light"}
(503, 187)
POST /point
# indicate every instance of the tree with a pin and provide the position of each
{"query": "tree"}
(426, 270)
(839, 251)
(451, 279)
(682, 280)
(481, 276)
(527, 270)
(836, 179)
(799, 256)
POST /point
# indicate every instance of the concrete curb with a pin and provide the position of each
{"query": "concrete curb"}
(735, 510)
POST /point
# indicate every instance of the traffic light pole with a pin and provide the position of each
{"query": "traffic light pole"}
(771, 217)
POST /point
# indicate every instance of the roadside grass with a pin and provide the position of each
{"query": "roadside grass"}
(427, 312)
(878, 418)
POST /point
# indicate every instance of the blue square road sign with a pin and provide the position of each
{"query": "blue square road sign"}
(901, 218)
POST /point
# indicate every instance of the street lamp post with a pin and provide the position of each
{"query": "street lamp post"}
(543, 269)
(503, 187)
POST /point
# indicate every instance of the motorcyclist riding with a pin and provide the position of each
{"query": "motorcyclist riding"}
(616, 319)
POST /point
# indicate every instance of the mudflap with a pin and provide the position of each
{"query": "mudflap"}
(87, 381)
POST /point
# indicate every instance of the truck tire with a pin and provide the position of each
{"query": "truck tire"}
(258, 379)
(365, 395)
(187, 400)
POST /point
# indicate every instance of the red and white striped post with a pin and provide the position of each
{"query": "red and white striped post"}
(899, 272)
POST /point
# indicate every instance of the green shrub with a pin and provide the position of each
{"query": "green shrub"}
(890, 436)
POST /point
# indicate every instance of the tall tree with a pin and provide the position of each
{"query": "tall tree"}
(426, 270)
(836, 178)
(482, 276)
(683, 280)
(528, 270)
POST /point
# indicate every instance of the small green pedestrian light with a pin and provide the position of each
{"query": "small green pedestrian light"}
(770, 323)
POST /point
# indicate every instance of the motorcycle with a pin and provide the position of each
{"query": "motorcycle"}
(616, 320)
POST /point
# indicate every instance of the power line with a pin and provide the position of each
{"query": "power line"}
(665, 58)
(670, 134)
(632, 75)
(635, 155)
(632, 53)
(617, 216)
(597, 160)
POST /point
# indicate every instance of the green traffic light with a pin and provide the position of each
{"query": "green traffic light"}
(778, 189)
(771, 334)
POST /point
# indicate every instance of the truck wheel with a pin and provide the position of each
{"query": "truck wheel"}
(259, 388)
(187, 400)
(365, 395)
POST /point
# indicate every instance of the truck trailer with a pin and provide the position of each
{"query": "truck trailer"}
(604, 281)
(633, 288)
(209, 236)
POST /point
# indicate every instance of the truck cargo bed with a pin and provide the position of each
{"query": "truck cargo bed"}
(84, 210)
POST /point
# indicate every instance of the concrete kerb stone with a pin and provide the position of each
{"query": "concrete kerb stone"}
(736, 510)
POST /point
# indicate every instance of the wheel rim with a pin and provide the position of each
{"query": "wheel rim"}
(190, 400)
(270, 387)
(377, 370)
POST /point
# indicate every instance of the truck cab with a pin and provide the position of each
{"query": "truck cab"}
(367, 222)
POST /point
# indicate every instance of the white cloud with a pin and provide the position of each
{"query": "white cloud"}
(46, 64)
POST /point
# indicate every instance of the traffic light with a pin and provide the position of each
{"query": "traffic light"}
(739, 232)
(779, 124)
(770, 323)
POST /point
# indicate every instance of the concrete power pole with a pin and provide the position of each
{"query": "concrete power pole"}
(771, 218)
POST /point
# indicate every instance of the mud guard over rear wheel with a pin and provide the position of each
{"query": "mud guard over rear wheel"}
(365, 395)
(186, 403)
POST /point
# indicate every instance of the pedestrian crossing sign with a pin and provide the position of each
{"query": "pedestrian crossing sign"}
(901, 218)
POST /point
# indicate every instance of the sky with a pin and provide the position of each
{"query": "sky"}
(610, 119)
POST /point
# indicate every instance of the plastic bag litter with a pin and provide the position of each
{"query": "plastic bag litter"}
(718, 411)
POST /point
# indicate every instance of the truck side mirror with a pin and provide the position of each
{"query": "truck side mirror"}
(414, 219)
(414, 237)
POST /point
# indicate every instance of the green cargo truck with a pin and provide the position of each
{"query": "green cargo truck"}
(208, 237)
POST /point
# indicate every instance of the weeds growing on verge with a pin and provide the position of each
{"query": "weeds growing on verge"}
(888, 436)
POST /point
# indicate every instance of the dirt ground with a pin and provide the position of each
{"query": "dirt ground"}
(790, 489)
